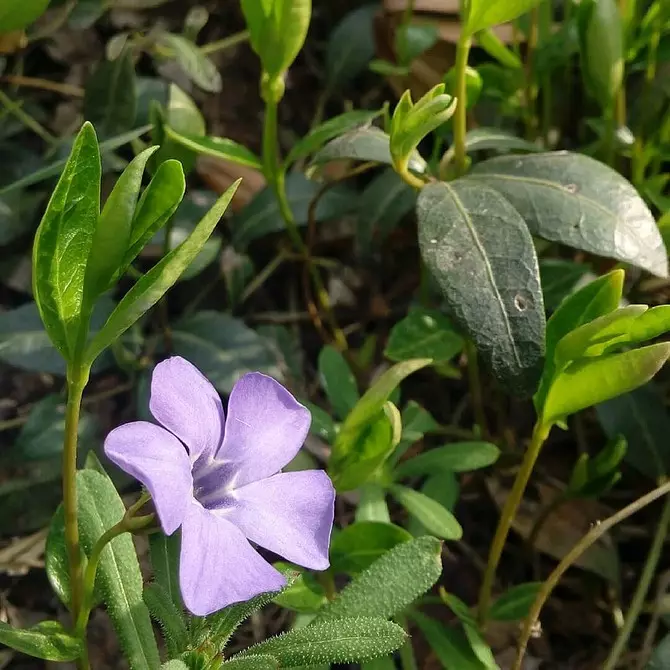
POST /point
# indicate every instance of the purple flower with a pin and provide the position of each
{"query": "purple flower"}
(220, 480)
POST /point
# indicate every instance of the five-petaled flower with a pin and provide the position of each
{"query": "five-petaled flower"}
(220, 480)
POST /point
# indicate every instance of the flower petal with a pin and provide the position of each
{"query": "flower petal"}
(265, 429)
(218, 566)
(290, 514)
(158, 459)
(184, 402)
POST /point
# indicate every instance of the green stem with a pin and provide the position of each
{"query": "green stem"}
(530, 83)
(406, 652)
(460, 116)
(27, 120)
(641, 589)
(571, 557)
(540, 434)
(225, 43)
(475, 382)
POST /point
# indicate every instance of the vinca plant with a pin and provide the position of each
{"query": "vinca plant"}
(330, 489)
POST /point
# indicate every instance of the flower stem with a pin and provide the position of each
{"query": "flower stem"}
(475, 383)
(225, 43)
(460, 116)
(641, 589)
(507, 515)
(575, 553)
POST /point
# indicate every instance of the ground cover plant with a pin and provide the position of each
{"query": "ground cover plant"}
(334, 334)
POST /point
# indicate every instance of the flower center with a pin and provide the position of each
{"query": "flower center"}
(214, 484)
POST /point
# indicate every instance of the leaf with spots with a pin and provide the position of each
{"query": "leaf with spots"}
(576, 200)
(480, 252)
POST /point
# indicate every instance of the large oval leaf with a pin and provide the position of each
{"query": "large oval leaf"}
(481, 254)
(576, 200)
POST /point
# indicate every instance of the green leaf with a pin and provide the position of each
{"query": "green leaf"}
(437, 519)
(260, 662)
(153, 285)
(262, 216)
(357, 546)
(332, 641)
(219, 147)
(172, 620)
(164, 553)
(119, 577)
(456, 457)
(423, 333)
(494, 139)
(174, 664)
(559, 279)
(195, 64)
(304, 594)
(573, 199)
(391, 583)
(660, 659)
(328, 130)
(47, 640)
(372, 504)
(486, 13)
(365, 144)
(481, 254)
(322, 425)
(515, 603)
(338, 381)
(592, 381)
(110, 100)
(444, 489)
(19, 14)
(223, 348)
(473, 86)
(63, 243)
(350, 47)
(496, 48)
(642, 418)
(412, 40)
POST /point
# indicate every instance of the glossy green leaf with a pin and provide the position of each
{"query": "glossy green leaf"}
(63, 243)
(164, 554)
(338, 381)
(196, 65)
(153, 285)
(364, 144)
(437, 519)
(118, 576)
(479, 250)
(494, 139)
(591, 381)
(423, 333)
(262, 216)
(47, 640)
(578, 201)
(486, 13)
(332, 641)
(360, 544)
(456, 457)
(223, 348)
(391, 583)
(515, 603)
(642, 418)
(219, 147)
(350, 47)
(110, 100)
(338, 125)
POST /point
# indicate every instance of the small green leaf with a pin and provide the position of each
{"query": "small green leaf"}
(436, 519)
(47, 640)
(456, 457)
(496, 48)
(559, 279)
(592, 381)
(515, 603)
(332, 641)
(63, 243)
(152, 286)
(338, 381)
(260, 662)
(322, 425)
(494, 139)
(357, 546)
(164, 554)
(372, 504)
(219, 147)
(391, 583)
(304, 594)
(444, 489)
(473, 86)
(423, 333)
(412, 40)
(19, 14)
(172, 620)
(487, 13)
(197, 66)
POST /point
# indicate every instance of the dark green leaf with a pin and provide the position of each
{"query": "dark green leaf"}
(219, 147)
(486, 13)
(164, 553)
(456, 457)
(576, 200)
(357, 546)
(223, 348)
(119, 576)
(514, 604)
(660, 659)
(494, 139)
(262, 216)
(172, 620)
(481, 254)
(559, 279)
(47, 640)
(323, 425)
(413, 39)
(63, 243)
(338, 381)
(437, 519)
(391, 583)
(110, 101)
(197, 66)
(423, 333)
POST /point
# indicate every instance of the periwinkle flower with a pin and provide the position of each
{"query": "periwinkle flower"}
(219, 479)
